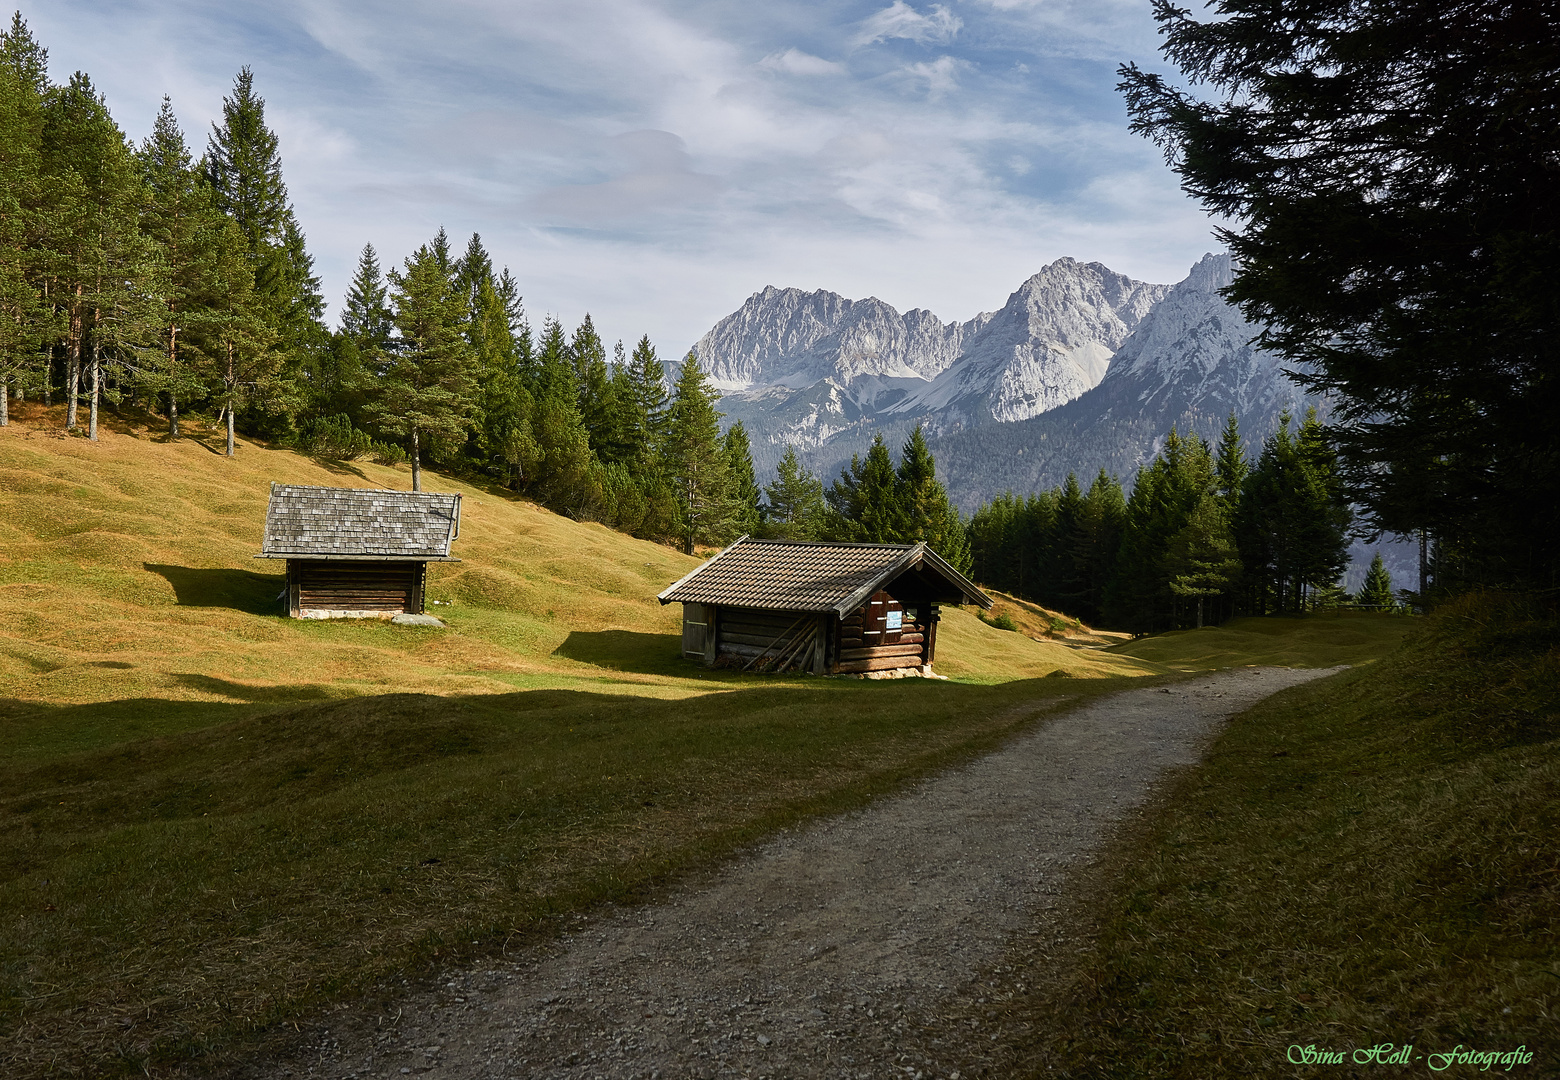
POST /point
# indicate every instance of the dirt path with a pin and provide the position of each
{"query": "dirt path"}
(809, 956)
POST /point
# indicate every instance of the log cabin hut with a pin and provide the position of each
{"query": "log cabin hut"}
(356, 553)
(829, 609)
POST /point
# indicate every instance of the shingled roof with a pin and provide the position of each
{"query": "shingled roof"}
(785, 575)
(359, 523)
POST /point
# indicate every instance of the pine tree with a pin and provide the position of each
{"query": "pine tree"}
(103, 260)
(26, 321)
(182, 221)
(695, 462)
(425, 392)
(1230, 465)
(743, 486)
(244, 169)
(1376, 592)
(1200, 559)
(650, 399)
(795, 508)
(231, 332)
(1097, 542)
(925, 511)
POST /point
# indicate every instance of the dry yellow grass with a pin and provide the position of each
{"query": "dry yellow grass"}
(127, 571)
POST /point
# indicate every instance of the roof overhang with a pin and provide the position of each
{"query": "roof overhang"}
(312, 557)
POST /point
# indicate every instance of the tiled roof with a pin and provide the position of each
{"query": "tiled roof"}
(788, 576)
(322, 522)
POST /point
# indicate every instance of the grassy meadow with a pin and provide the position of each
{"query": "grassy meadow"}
(214, 819)
(1372, 858)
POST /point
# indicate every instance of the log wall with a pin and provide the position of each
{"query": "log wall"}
(758, 640)
(884, 634)
(346, 589)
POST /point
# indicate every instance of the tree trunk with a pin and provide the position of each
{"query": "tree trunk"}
(173, 401)
(1424, 569)
(232, 388)
(173, 415)
(97, 386)
(1199, 612)
(416, 463)
(73, 365)
(5, 401)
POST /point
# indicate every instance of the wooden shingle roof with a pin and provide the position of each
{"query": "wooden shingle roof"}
(359, 523)
(784, 575)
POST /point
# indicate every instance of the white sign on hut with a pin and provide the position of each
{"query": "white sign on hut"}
(355, 553)
(777, 605)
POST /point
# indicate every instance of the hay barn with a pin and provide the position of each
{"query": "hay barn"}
(355, 553)
(829, 609)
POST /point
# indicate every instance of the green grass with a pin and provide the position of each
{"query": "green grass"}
(175, 879)
(1308, 641)
(214, 818)
(1370, 858)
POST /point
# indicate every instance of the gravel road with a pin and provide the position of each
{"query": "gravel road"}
(813, 954)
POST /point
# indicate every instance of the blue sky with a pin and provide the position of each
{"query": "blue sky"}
(654, 162)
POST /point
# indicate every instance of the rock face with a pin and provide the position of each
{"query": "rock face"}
(825, 373)
(1189, 363)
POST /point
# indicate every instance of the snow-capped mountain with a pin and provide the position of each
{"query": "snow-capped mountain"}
(1189, 363)
(825, 373)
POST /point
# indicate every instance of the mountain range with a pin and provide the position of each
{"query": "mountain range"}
(1082, 369)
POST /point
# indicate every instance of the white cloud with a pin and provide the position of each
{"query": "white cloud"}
(900, 20)
(940, 76)
(796, 62)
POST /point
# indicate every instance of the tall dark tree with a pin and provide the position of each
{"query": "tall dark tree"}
(425, 392)
(795, 507)
(743, 485)
(1390, 173)
(864, 500)
(181, 219)
(695, 459)
(26, 321)
(244, 168)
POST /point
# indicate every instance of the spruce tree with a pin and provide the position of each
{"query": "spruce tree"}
(864, 501)
(182, 221)
(244, 168)
(743, 486)
(26, 321)
(1201, 561)
(795, 509)
(1230, 464)
(695, 461)
(648, 378)
(425, 392)
(1376, 592)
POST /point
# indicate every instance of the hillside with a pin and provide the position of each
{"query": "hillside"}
(127, 568)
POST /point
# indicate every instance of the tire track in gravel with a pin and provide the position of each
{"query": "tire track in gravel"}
(814, 954)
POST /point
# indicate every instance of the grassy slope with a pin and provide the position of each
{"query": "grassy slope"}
(1324, 640)
(1370, 858)
(213, 817)
(126, 567)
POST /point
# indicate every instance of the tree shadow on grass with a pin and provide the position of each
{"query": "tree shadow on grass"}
(242, 590)
(244, 692)
(626, 650)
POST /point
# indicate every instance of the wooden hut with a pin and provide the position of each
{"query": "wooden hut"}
(356, 553)
(777, 605)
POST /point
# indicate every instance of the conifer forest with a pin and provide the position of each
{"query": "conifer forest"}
(174, 280)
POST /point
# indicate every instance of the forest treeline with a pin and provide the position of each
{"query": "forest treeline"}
(1206, 533)
(144, 277)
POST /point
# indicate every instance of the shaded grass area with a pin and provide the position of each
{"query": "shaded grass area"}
(1371, 858)
(176, 876)
(1325, 639)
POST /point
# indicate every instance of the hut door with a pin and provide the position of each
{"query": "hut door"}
(694, 631)
(884, 621)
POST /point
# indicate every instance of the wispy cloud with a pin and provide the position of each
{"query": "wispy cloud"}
(655, 161)
(900, 20)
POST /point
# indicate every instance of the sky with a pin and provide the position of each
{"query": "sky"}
(655, 162)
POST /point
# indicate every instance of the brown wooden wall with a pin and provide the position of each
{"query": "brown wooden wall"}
(869, 640)
(373, 586)
(761, 640)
